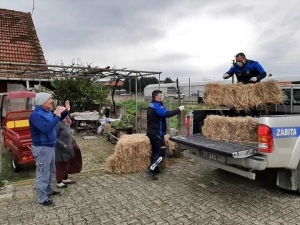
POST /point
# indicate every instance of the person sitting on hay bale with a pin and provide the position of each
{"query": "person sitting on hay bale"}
(156, 129)
(247, 71)
(103, 120)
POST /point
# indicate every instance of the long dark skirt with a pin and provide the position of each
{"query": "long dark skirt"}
(62, 169)
(75, 164)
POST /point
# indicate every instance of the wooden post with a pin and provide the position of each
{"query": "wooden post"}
(179, 103)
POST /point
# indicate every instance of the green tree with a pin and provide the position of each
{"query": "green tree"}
(168, 80)
(141, 83)
(83, 93)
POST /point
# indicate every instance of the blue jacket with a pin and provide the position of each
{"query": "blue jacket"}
(249, 70)
(42, 126)
(156, 118)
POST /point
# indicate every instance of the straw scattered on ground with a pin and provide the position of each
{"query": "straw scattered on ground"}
(230, 129)
(132, 154)
(241, 96)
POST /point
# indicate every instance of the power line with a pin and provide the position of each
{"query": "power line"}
(278, 57)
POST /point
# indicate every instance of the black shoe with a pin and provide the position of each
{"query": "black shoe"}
(152, 175)
(48, 203)
(157, 170)
(55, 193)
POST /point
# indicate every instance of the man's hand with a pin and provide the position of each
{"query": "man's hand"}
(181, 107)
(62, 108)
(253, 79)
(67, 105)
(226, 76)
(59, 110)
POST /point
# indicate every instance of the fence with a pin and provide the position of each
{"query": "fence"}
(141, 98)
(122, 98)
(142, 118)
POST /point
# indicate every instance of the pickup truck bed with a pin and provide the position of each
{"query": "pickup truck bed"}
(229, 149)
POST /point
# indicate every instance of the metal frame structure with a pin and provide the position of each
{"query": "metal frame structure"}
(44, 72)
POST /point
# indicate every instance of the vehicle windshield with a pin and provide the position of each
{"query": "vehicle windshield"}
(16, 104)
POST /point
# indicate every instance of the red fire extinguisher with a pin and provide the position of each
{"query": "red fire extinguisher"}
(187, 124)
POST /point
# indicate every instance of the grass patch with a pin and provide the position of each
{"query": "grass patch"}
(174, 122)
(131, 106)
(169, 104)
(27, 171)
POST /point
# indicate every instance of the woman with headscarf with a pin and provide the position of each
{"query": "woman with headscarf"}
(64, 152)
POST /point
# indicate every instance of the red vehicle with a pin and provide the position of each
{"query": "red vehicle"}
(16, 108)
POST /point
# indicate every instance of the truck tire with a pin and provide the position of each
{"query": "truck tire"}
(298, 177)
(289, 179)
(15, 163)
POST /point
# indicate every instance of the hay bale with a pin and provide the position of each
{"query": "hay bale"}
(132, 154)
(230, 129)
(241, 96)
(171, 146)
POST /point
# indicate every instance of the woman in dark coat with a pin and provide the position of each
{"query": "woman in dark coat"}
(64, 152)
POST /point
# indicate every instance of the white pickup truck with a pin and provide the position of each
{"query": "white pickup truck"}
(278, 144)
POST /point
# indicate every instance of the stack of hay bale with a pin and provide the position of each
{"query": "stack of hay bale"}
(132, 154)
(239, 97)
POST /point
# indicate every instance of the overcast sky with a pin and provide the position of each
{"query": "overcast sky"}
(195, 38)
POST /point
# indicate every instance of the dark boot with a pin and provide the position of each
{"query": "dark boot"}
(152, 174)
(157, 170)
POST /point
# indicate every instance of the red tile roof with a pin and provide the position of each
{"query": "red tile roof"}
(19, 43)
(113, 83)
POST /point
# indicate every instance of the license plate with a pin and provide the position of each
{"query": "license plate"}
(82, 124)
(213, 157)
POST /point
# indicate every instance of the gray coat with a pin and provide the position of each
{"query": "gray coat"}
(64, 151)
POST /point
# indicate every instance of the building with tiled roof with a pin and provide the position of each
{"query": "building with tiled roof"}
(19, 43)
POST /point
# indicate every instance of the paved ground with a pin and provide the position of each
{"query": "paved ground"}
(186, 193)
(94, 153)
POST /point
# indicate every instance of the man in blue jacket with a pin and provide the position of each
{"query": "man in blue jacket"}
(156, 129)
(42, 127)
(247, 71)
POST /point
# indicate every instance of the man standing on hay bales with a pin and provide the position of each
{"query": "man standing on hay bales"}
(247, 71)
(156, 129)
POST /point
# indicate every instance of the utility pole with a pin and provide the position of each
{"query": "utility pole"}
(189, 89)
(179, 103)
(129, 81)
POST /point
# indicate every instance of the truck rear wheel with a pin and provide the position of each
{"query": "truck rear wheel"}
(15, 163)
(298, 177)
(289, 179)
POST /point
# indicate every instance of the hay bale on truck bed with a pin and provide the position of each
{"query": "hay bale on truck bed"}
(132, 154)
(230, 129)
(241, 96)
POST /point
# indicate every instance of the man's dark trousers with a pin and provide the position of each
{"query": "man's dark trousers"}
(158, 150)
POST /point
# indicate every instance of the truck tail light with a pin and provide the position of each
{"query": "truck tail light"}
(27, 157)
(265, 139)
